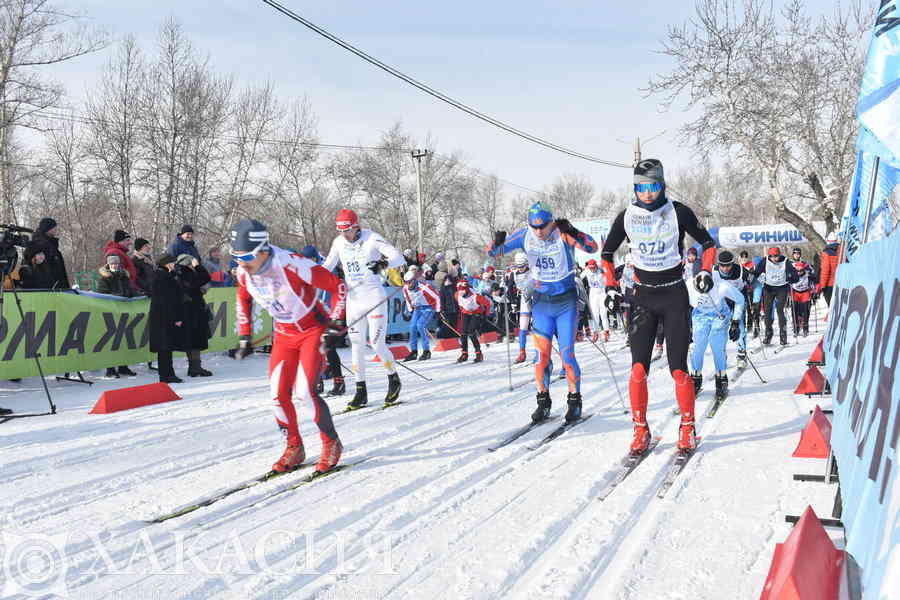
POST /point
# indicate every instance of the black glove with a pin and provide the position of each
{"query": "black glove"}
(244, 348)
(377, 265)
(499, 238)
(565, 226)
(734, 332)
(613, 299)
(815, 296)
(336, 327)
(703, 281)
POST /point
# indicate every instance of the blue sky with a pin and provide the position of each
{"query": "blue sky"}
(568, 71)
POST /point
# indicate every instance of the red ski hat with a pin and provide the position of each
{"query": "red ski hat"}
(591, 263)
(462, 285)
(774, 251)
(346, 219)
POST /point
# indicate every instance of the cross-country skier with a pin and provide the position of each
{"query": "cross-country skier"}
(779, 274)
(522, 277)
(714, 324)
(364, 255)
(332, 341)
(596, 283)
(550, 246)
(655, 227)
(422, 301)
(474, 307)
(286, 285)
(802, 292)
(739, 278)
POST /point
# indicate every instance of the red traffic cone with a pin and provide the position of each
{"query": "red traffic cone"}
(806, 566)
(815, 439)
(813, 382)
(817, 358)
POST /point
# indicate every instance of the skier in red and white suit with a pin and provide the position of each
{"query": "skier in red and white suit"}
(364, 255)
(286, 284)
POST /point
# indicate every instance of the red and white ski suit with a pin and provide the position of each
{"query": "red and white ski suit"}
(287, 287)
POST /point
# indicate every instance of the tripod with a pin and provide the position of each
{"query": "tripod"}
(36, 356)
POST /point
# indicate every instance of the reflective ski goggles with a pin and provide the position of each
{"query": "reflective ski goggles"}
(648, 187)
(248, 256)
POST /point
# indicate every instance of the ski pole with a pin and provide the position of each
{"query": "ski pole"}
(449, 326)
(413, 371)
(755, 369)
(508, 356)
(613, 375)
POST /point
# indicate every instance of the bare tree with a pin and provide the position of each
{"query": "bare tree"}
(33, 34)
(571, 195)
(776, 88)
(113, 121)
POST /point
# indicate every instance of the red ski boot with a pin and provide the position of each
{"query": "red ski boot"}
(596, 336)
(292, 458)
(641, 440)
(687, 437)
(521, 357)
(331, 454)
(463, 357)
(479, 357)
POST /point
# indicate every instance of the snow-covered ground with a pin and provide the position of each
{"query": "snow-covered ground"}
(429, 514)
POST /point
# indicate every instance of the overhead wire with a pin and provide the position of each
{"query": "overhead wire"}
(436, 93)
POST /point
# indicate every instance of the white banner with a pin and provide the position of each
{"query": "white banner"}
(764, 235)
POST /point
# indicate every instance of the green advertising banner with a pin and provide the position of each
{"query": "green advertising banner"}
(74, 331)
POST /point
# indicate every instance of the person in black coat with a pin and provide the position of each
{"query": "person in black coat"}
(114, 280)
(143, 265)
(166, 319)
(192, 277)
(37, 274)
(44, 241)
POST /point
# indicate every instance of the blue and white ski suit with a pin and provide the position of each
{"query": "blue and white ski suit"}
(711, 319)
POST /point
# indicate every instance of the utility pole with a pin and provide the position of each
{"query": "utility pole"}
(637, 151)
(417, 155)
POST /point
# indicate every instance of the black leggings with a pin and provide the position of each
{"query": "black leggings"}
(666, 306)
(471, 326)
(826, 292)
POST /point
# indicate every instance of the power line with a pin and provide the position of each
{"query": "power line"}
(438, 94)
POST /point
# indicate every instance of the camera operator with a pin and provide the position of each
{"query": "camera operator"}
(45, 241)
(36, 274)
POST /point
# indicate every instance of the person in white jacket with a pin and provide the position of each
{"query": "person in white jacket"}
(595, 280)
(364, 255)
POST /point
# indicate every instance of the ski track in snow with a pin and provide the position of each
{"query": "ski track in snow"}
(462, 522)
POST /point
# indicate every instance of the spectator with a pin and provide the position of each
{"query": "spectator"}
(120, 245)
(166, 319)
(449, 315)
(192, 276)
(115, 282)
(428, 273)
(691, 264)
(143, 265)
(410, 257)
(436, 263)
(45, 239)
(36, 274)
(828, 269)
(213, 265)
(184, 243)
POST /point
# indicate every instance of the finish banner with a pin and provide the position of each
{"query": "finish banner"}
(73, 331)
(862, 349)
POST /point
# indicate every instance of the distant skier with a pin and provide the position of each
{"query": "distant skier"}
(802, 292)
(596, 283)
(474, 307)
(655, 227)
(422, 301)
(714, 324)
(779, 274)
(740, 278)
(524, 287)
(550, 246)
(286, 285)
(364, 255)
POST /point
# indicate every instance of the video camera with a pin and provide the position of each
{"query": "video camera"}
(10, 237)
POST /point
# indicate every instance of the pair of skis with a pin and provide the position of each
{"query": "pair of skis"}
(522, 431)
(245, 485)
(676, 464)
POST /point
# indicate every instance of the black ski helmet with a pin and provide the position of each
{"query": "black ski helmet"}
(248, 235)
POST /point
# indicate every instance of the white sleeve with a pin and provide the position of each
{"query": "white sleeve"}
(731, 292)
(334, 255)
(394, 257)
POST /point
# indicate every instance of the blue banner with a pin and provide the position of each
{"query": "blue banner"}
(862, 347)
(879, 93)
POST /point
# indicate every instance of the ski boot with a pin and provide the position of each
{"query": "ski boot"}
(767, 338)
(755, 332)
(127, 372)
(641, 441)
(339, 386)
(542, 412)
(595, 336)
(721, 385)
(741, 359)
(331, 454)
(112, 372)
(463, 357)
(687, 437)
(393, 389)
(291, 459)
(605, 335)
(414, 355)
(479, 357)
(425, 355)
(805, 330)
(361, 398)
(782, 337)
(698, 382)
(521, 357)
(574, 411)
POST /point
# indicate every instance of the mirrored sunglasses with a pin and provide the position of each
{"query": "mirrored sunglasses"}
(647, 187)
